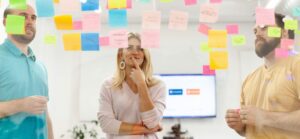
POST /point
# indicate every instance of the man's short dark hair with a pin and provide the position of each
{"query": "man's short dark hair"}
(280, 23)
(7, 11)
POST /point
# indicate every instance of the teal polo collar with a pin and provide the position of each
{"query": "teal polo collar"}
(16, 51)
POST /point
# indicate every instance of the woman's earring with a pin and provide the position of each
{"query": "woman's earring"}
(122, 65)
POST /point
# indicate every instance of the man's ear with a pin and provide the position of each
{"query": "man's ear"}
(4, 21)
(285, 33)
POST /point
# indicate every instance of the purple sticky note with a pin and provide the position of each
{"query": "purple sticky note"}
(287, 44)
(203, 28)
(104, 41)
(232, 29)
(265, 16)
(190, 2)
(281, 53)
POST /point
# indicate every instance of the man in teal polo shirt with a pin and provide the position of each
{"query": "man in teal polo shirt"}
(23, 85)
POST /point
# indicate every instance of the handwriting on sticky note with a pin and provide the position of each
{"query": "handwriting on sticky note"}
(118, 38)
(151, 20)
(91, 22)
(178, 20)
(209, 13)
(150, 38)
(238, 40)
(274, 32)
(265, 16)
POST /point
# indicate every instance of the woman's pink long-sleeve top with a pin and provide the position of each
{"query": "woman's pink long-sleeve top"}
(122, 105)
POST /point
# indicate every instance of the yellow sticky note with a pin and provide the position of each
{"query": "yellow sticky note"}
(217, 38)
(204, 47)
(56, 1)
(166, 0)
(291, 24)
(50, 39)
(274, 32)
(63, 22)
(72, 42)
(218, 59)
(238, 40)
(117, 4)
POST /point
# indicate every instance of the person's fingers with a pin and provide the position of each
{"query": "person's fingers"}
(137, 66)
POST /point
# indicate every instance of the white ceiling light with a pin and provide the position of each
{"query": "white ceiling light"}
(272, 4)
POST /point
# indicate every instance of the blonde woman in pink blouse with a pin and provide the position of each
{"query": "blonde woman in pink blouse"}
(132, 102)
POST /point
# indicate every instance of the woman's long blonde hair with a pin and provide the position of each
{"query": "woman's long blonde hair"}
(146, 66)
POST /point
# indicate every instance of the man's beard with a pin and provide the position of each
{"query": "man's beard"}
(24, 38)
(266, 47)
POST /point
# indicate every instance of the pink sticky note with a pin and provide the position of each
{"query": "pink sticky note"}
(281, 53)
(178, 20)
(203, 28)
(77, 25)
(69, 6)
(91, 22)
(232, 29)
(150, 38)
(118, 38)
(104, 41)
(207, 70)
(215, 1)
(190, 2)
(209, 13)
(265, 16)
(286, 44)
(151, 20)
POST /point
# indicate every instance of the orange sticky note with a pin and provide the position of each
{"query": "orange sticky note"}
(56, 1)
(72, 42)
(117, 4)
(63, 22)
(218, 60)
(217, 38)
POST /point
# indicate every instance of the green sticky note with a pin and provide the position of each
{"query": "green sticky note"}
(238, 40)
(291, 24)
(18, 4)
(50, 39)
(166, 0)
(297, 32)
(274, 32)
(15, 24)
(204, 47)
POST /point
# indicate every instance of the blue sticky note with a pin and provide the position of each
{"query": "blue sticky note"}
(45, 8)
(90, 5)
(90, 41)
(118, 18)
(296, 11)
